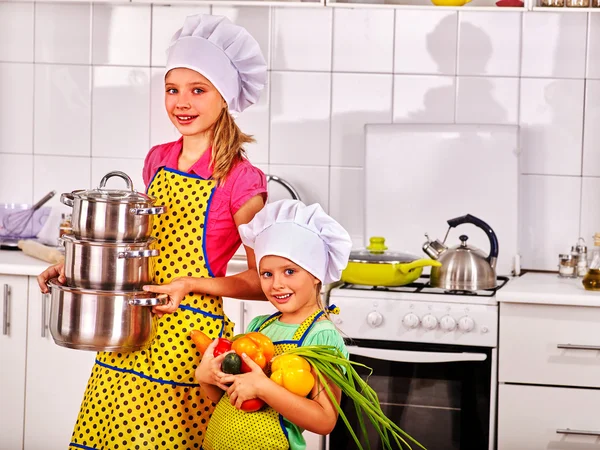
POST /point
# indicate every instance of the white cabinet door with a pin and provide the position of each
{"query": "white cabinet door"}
(56, 380)
(13, 347)
(540, 417)
(255, 308)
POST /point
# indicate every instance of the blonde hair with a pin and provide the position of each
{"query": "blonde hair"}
(227, 146)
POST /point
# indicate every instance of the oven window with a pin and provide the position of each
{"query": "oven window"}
(444, 406)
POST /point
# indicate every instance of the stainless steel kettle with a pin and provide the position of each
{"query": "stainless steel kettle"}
(464, 267)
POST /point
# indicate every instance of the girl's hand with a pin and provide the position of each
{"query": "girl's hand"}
(209, 369)
(55, 271)
(176, 290)
(245, 386)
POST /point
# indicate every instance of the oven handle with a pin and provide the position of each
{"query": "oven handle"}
(414, 357)
(579, 432)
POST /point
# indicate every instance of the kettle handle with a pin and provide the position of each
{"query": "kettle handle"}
(493, 256)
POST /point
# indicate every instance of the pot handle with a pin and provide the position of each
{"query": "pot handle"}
(138, 254)
(116, 173)
(152, 301)
(493, 256)
(408, 267)
(147, 211)
(67, 199)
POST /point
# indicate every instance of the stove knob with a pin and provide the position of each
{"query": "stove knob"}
(466, 324)
(374, 319)
(448, 323)
(411, 320)
(430, 322)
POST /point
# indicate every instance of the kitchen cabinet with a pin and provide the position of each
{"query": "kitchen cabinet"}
(56, 380)
(13, 342)
(549, 372)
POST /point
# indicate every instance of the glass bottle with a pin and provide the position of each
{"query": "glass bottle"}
(591, 281)
(65, 224)
(578, 3)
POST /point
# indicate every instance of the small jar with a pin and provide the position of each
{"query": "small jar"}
(578, 3)
(595, 3)
(567, 266)
(582, 257)
(65, 225)
(553, 3)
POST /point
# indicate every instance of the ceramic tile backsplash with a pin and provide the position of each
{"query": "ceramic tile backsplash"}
(16, 170)
(120, 111)
(132, 167)
(16, 108)
(549, 219)
(63, 106)
(489, 43)
(16, 31)
(62, 33)
(300, 112)
(554, 45)
(82, 94)
(424, 99)
(551, 126)
(487, 100)
(357, 99)
(425, 42)
(301, 38)
(363, 40)
(121, 35)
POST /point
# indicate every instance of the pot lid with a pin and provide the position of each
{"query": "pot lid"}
(377, 252)
(102, 194)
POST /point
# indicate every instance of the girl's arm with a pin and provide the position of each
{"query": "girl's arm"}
(208, 373)
(244, 285)
(316, 414)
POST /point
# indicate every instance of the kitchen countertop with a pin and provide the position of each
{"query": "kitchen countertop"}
(547, 289)
(15, 262)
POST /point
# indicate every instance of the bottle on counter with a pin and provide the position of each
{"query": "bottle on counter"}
(580, 249)
(591, 281)
(65, 225)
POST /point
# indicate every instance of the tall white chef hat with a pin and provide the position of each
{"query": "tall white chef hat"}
(305, 235)
(224, 53)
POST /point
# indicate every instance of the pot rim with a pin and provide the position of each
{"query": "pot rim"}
(110, 244)
(364, 261)
(53, 284)
(126, 197)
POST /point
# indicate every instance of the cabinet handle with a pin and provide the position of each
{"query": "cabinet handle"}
(594, 348)
(44, 319)
(580, 432)
(5, 320)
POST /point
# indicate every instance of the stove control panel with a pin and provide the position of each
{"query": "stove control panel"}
(417, 321)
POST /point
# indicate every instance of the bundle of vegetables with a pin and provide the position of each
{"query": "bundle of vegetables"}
(329, 363)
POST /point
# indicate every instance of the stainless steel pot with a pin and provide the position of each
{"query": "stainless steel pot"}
(112, 215)
(108, 266)
(102, 321)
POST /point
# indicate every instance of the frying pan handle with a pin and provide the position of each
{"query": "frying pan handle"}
(405, 268)
(493, 256)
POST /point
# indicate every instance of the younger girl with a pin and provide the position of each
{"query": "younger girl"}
(297, 248)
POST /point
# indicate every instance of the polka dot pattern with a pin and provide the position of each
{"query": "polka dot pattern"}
(149, 399)
(232, 429)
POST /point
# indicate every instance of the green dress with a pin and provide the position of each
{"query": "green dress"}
(323, 332)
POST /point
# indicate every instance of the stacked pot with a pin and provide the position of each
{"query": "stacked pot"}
(109, 257)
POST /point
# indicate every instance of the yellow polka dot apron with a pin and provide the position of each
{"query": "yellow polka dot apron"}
(233, 429)
(149, 399)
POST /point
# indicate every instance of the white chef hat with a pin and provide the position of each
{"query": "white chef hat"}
(305, 235)
(225, 53)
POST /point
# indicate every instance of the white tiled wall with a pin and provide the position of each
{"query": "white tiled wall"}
(81, 94)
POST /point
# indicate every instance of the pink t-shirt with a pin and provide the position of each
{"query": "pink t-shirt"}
(243, 182)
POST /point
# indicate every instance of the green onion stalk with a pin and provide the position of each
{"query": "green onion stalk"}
(330, 364)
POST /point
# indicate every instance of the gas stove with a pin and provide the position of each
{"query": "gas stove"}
(418, 312)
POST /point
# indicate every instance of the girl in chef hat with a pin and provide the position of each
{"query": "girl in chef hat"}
(149, 398)
(298, 248)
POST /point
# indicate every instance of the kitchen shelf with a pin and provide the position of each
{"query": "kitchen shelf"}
(485, 5)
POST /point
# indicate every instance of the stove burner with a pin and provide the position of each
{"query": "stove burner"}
(422, 285)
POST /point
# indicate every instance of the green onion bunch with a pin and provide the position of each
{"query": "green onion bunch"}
(330, 364)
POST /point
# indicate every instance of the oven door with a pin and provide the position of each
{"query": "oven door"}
(443, 396)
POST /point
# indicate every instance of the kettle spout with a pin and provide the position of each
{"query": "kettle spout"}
(433, 249)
